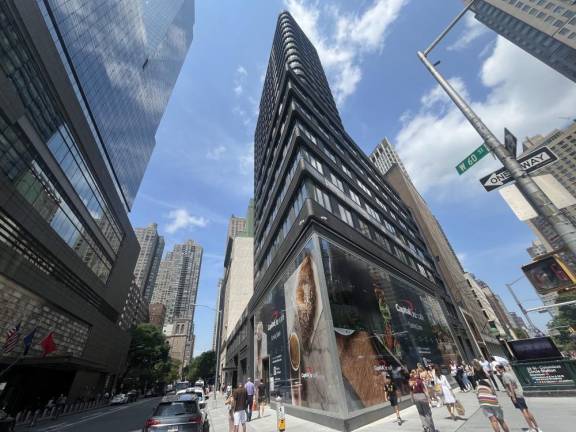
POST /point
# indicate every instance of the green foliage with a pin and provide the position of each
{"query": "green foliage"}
(202, 366)
(520, 333)
(148, 361)
(563, 321)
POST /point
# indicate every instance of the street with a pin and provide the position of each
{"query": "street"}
(122, 418)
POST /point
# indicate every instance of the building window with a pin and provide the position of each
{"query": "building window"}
(336, 182)
(373, 213)
(354, 197)
(364, 187)
(316, 164)
(345, 215)
(330, 154)
(346, 170)
(322, 198)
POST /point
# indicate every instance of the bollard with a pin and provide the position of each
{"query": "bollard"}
(280, 415)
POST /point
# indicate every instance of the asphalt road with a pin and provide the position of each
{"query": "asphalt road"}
(123, 418)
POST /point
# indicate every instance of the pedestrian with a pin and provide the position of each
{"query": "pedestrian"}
(391, 393)
(60, 403)
(457, 375)
(420, 399)
(516, 393)
(397, 378)
(447, 394)
(478, 370)
(261, 392)
(250, 390)
(487, 367)
(494, 364)
(490, 407)
(230, 402)
(469, 372)
(240, 399)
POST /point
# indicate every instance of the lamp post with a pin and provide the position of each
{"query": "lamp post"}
(218, 312)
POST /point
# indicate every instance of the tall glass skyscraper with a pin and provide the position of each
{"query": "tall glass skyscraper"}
(83, 85)
(124, 58)
(345, 286)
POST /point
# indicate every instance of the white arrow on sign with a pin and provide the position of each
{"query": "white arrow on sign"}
(531, 162)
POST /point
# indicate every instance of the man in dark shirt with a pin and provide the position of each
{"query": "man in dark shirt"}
(240, 400)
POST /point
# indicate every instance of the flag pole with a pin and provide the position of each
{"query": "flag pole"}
(11, 364)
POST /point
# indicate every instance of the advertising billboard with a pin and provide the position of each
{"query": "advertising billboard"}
(293, 337)
(548, 275)
(380, 321)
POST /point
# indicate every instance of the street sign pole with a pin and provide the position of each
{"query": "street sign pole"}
(533, 194)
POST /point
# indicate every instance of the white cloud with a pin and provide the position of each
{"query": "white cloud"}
(472, 31)
(523, 94)
(182, 219)
(349, 37)
(240, 80)
(215, 153)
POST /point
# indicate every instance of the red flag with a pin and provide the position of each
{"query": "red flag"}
(48, 344)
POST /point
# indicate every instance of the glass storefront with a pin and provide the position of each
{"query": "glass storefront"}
(377, 321)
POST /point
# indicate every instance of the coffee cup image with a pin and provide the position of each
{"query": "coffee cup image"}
(294, 349)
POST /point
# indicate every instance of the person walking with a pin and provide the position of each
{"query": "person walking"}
(250, 391)
(516, 393)
(230, 402)
(240, 399)
(391, 393)
(447, 393)
(490, 407)
(420, 399)
(457, 375)
(487, 367)
(469, 372)
(261, 393)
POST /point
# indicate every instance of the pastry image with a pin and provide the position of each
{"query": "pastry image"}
(306, 302)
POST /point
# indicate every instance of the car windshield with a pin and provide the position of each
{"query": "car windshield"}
(176, 408)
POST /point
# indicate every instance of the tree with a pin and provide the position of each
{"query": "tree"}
(203, 366)
(562, 322)
(148, 359)
(520, 333)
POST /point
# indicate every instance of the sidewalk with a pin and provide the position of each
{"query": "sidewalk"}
(553, 415)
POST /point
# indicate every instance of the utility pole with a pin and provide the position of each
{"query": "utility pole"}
(527, 186)
(535, 329)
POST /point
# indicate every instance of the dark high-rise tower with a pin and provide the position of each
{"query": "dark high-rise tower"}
(344, 284)
(80, 97)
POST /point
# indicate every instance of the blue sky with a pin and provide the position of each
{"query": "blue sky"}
(201, 169)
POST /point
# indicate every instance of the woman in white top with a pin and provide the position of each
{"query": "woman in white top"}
(449, 399)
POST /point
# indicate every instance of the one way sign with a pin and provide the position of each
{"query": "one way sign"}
(531, 162)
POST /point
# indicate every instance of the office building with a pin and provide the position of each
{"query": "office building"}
(236, 289)
(471, 330)
(546, 29)
(344, 283)
(384, 157)
(135, 310)
(176, 288)
(563, 143)
(235, 225)
(481, 293)
(216, 330)
(151, 250)
(156, 314)
(123, 59)
(499, 309)
(520, 324)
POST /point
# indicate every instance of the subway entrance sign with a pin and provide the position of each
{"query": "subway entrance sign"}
(474, 157)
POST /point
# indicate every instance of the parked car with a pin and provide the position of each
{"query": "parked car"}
(180, 413)
(119, 399)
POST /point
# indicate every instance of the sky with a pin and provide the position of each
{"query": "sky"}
(201, 170)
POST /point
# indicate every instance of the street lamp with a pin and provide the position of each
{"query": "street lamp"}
(216, 374)
(535, 329)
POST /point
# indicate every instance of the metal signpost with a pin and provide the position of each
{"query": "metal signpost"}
(531, 162)
(511, 142)
(527, 186)
(474, 157)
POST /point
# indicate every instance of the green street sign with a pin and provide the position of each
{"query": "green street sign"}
(474, 157)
